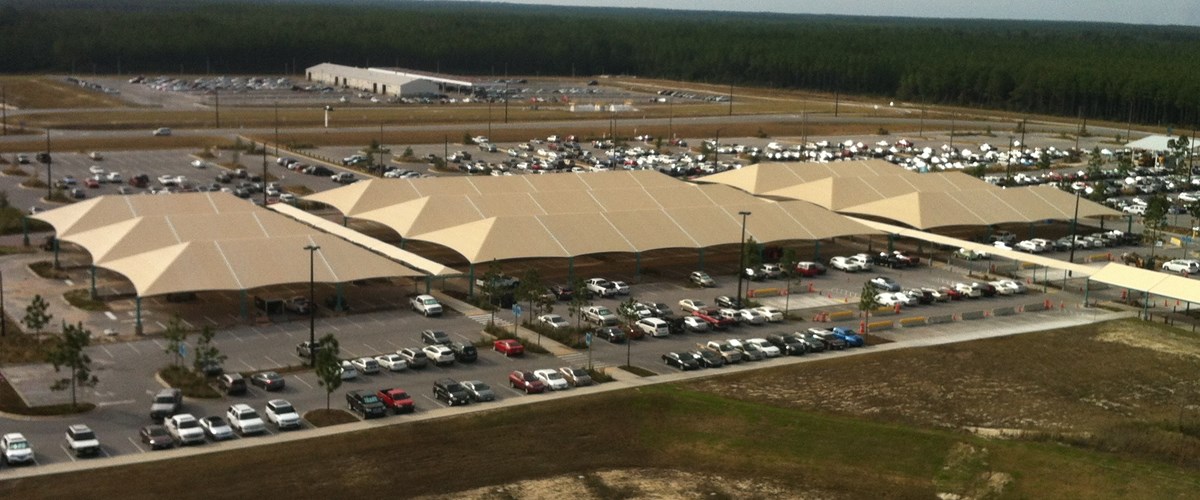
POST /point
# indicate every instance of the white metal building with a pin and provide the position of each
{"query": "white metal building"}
(383, 80)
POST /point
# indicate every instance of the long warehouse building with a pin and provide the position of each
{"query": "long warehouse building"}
(384, 81)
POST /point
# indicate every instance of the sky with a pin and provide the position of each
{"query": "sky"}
(1179, 12)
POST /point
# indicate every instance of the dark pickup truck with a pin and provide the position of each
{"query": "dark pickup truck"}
(396, 399)
(365, 404)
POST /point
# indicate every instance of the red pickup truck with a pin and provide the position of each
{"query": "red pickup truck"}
(396, 399)
(714, 319)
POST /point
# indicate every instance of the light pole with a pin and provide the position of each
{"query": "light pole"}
(1071, 258)
(276, 128)
(327, 110)
(3, 316)
(312, 306)
(49, 169)
(742, 256)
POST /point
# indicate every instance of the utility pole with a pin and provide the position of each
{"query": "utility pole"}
(49, 169)
(312, 305)
(670, 119)
(731, 99)
(264, 175)
(742, 256)
(217, 98)
(4, 107)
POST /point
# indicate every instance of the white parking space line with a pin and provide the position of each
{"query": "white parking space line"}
(393, 344)
(329, 324)
(301, 380)
(110, 315)
(519, 393)
(350, 353)
(136, 445)
(108, 352)
(244, 363)
(289, 334)
(370, 348)
(236, 336)
(359, 325)
(273, 362)
(159, 344)
(68, 452)
(210, 320)
(135, 350)
(436, 402)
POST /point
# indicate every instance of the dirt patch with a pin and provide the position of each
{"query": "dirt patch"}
(37, 92)
(633, 483)
(1165, 342)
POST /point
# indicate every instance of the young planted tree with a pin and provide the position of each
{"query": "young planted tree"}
(867, 302)
(207, 353)
(1095, 165)
(489, 286)
(176, 336)
(580, 298)
(629, 314)
(1181, 152)
(753, 255)
(36, 316)
(328, 366)
(1155, 220)
(70, 354)
(530, 291)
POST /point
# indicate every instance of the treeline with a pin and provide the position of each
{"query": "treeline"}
(1117, 72)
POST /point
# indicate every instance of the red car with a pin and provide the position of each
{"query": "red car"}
(396, 399)
(714, 319)
(525, 381)
(92, 183)
(809, 269)
(508, 347)
(952, 293)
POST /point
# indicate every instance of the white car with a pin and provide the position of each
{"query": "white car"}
(113, 178)
(691, 305)
(393, 362)
(767, 348)
(347, 371)
(216, 428)
(366, 365)
(653, 327)
(621, 287)
(599, 315)
(1030, 246)
(1016, 286)
(185, 429)
(439, 354)
(244, 419)
(96, 170)
(844, 264)
(600, 287)
(16, 448)
(863, 260)
(553, 321)
(694, 324)
(937, 295)
(969, 291)
(1001, 289)
(772, 314)
(751, 317)
(426, 304)
(282, 414)
(199, 164)
(552, 378)
(1182, 266)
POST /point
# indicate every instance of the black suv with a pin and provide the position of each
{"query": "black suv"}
(465, 353)
(232, 384)
(366, 404)
(789, 344)
(435, 337)
(453, 393)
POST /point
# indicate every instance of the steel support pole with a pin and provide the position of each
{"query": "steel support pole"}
(93, 274)
(137, 328)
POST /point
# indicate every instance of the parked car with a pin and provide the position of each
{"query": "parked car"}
(727, 301)
(844, 264)
(728, 352)
(968, 291)
(216, 428)
(885, 283)
(701, 279)
(478, 391)
(508, 347)
(365, 365)
(397, 400)
(553, 321)
(552, 379)
(832, 341)
(393, 362)
(600, 315)
(414, 357)
(612, 334)
(1182, 266)
(463, 352)
(653, 327)
(692, 305)
(347, 371)
(525, 381)
(166, 402)
(268, 381)
(769, 349)
(577, 377)
(682, 360)
(600, 287)
(426, 305)
(232, 384)
(154, 436)
(365, 404)
(82, 441)
(694, 324)
(434, 337)
(244, 419)
(621, 287)
(750, 317)
(185, 429)
(708, 358)
(440, 355)
(281, 413)
(809, 269)
(788, 344)
(852, 338)
(771, 314)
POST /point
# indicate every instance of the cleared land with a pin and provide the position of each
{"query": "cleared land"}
(887, 425)
(44, 92)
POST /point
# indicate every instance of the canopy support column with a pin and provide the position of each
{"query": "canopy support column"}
(1129, 226)
(817, 251)
(637, 271)
(701, 255)
(93, 273)
(25, 231)
(471, 280)
(571, 271)
(428, 283)
(1030, 230)
(137, 328)
(245, 306)
(402, 243)
(1146, 305)
(56, 265)
(340, 304)
(891, 243)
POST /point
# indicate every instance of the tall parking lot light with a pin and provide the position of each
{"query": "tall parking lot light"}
(49, 169)
(312, 305)
(742, 256)
(1074, 220)
(327, 110)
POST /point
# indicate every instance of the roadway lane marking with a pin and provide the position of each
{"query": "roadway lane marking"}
(393, 344)
(135, 350)
(135, 445)
(301, 380)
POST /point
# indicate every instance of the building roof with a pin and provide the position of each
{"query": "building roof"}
(208, 241)
(566, 215)
(1156, 143)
